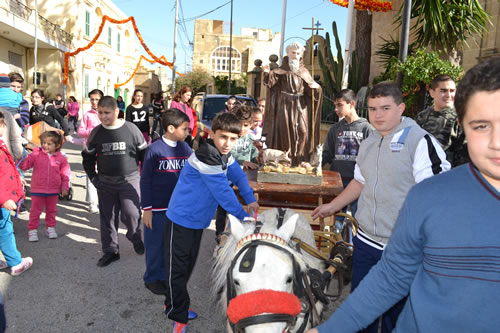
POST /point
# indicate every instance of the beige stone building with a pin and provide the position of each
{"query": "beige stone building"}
(148, 81)
(65, 25)
(211, 47)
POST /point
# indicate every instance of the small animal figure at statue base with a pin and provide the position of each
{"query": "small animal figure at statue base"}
(274, 155)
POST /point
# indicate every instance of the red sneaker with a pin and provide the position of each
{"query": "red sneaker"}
(179, 327)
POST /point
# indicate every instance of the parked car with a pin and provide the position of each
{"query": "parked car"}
(207, 106)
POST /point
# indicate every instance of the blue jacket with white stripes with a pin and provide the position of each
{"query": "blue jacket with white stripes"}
(203, 184)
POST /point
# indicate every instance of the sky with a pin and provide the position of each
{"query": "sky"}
(156, 19)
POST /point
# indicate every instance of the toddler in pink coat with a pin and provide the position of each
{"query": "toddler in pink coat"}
(51, 173)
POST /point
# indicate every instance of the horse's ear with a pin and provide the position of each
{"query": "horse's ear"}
(236, 227)
(288, 228)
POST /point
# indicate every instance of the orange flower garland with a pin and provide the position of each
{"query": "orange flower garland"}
(371, 5)
(162, 60)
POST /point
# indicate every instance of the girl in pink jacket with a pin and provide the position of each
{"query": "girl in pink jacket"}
(89, 121)
(182, 101)
(50, 178)
(73, 113)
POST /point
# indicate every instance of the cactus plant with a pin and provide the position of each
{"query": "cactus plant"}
(330, 65)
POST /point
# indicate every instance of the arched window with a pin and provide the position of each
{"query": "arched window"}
(220, 60)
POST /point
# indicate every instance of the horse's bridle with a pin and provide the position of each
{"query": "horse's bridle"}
(246, 265)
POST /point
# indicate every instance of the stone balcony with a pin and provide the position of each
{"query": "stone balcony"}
(17, 23)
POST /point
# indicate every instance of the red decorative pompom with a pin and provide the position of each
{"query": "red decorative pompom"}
(262, 301)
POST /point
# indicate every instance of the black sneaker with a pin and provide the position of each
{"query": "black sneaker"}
(139, 247)
(108, 258)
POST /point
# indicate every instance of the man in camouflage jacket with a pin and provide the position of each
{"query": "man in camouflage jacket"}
(440, 120)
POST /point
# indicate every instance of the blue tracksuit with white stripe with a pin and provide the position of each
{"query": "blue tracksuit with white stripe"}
(160, 171)
(202, 186)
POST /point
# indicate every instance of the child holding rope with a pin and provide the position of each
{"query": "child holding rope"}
(207, 171)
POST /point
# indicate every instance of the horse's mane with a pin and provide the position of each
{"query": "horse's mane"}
(269, 219)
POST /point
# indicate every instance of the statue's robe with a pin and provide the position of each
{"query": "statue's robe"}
(288, 117)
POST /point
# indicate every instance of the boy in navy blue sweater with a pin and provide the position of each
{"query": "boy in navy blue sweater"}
(162, 166)
(206, 172)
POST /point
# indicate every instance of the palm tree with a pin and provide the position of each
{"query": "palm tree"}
(442, 24)
(363, 43)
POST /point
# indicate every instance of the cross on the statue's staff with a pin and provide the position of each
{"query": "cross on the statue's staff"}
(317, 28)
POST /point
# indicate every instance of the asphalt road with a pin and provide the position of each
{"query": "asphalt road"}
(64, 291)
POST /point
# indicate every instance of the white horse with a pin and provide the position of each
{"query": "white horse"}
(265, 277)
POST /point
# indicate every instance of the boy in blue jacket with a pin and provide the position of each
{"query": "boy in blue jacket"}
(440, 253)
(206, 172)
(161, 168)
(245, 153)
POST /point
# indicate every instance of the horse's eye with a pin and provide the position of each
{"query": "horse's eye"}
(236, 282)
(289, 280)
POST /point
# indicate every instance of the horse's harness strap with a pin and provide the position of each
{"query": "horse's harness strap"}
(263, 319)
(297, 280)
(281, 216)
(248, 260)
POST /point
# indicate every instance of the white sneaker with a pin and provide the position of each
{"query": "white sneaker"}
(33, 235)
(23, 266)
(93, 209)
(51, 232)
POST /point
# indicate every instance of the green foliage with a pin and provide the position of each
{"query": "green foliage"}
(197, 80)
(440, 24)
(418, 72)
(330, 65)
(390, 49)
(238, 86)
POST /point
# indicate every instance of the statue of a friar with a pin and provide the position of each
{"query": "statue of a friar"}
(288, 119)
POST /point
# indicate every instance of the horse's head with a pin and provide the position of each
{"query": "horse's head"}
(266, 265)
(262, 277)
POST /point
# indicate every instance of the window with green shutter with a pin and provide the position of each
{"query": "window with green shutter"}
(86, 86)
(118, 42)
(109, 35)
(87, 23)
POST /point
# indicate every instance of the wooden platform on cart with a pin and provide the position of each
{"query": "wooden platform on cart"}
(288, 178)
(299, 197)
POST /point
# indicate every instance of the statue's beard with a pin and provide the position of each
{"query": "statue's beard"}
(294, 65)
